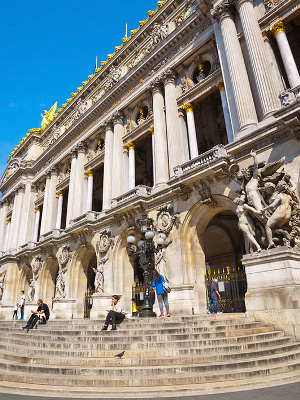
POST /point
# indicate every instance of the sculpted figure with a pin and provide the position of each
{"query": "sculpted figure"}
(246, 224)
(281, 214)
(160, 262)
(99, 279)
(31, 290)
(1, 288)
(49, 116)
(60, 286)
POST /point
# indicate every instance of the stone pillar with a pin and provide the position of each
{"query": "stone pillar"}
(108, 165)
(45, 205)
(90, 182)
(59, 209)
(229, 131)
(117, 187)
(286, 54)
(6, 235)
(79, 182)
(71, 187)
(51, 204)
(36, 224)
(184, 136)
(3, 222)
(151, 130)
(16, 218)
(240, 83)
(131, 166)
(188, 107)
(27, 219)
(173, 123)
(160, 142)
(261, 67)
(125, 169)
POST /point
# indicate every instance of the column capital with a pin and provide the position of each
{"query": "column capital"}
(81, 147)
(222, 11)
(54, 171)
(21, 188)
(90, 172)
(188, 107)
(125, 149)
(118, 118)
(74, 153)
(156, 86)
(130, 146)
(169, 76)
(37, 209)
(108, 125)
(8, 220)
(220, 86)
(59, 193)
(151, 130)
(277, 28)
(4, 203)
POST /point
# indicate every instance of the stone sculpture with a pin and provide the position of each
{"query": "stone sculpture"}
(31, 290)
(1, 288)
(60, 286)
(99, 279)
(268, 207)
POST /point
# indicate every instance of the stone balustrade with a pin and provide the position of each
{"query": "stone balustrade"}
(140, 191)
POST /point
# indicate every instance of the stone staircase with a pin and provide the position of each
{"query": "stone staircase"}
(171, 357)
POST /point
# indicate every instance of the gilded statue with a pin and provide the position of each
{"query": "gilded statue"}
(49, 116)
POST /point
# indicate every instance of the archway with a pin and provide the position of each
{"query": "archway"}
(48, 279)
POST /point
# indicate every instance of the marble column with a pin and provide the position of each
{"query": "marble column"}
(125, 169)
(188, 107)
(51, 204)
(173, 123)
(160, 142)
(151, 130)
(6, 235)
(71, 187)
(229, 131)
(184, 136)
(290, 66)
(3, 221)
(239, 78)
(36, 224)
(45, 204)
(261, 67)
(79, 182)
(108, 165)
(60, 201)
(118, 159)
(16, 218)
(27, 219)
(131, 166)
(90, 185)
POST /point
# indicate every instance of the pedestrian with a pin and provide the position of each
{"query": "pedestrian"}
(42, 313)
(134, 312)
(114, 313)
(214, 297)
(162, 295)
(15, 314)
(22, 304)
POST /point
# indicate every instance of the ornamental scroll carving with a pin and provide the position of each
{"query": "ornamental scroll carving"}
(36, 267)
(166, 219)
(267, 207)
(105, 242)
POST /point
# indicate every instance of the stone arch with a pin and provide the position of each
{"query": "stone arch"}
(25, 276)
(83, 259)
(47, 280)
(192, 231)
(143, 104)
(201, 58)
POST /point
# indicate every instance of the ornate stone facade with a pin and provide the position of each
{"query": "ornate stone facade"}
(182, 125)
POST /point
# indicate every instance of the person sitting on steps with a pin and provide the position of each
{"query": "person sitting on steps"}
(42, 313)
(114, 313)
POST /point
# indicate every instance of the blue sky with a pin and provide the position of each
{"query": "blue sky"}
(47, 49)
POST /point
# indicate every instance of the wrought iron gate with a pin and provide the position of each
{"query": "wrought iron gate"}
(232, 287)
(88, 302)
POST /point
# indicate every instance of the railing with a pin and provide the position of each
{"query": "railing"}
(232, 283)
(138, 191)
(216, 152)
(88, 302)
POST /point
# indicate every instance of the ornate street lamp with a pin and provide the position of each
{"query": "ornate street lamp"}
(144, 251)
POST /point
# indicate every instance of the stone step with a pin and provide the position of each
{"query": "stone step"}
(148, 353)
(112, 344)
(132, 359)
(143, 378)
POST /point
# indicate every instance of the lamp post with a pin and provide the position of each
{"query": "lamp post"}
(144, 251)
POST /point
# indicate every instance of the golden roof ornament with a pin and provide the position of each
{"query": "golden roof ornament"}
(49, 116)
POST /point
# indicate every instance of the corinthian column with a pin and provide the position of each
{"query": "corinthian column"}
(188, 107)
(16, 218)
(160, 141)
(240, 83)
(90, 185)
(108, 162)
(59, 209)
(290, 66)
(131, 166)
(117, 187)
(184, 136)
(79, 183)
(173, 123)
(261, 67)
(45, 204)
(71, 187)
(36, 224)
(151, 130)
(4, 209)
(221, 88)
(6, 235)
(51, 205)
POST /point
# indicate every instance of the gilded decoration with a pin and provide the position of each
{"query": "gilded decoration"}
(277, 28)
(49, 116)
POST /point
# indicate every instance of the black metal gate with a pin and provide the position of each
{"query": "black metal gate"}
(88, 302)
(232, 283)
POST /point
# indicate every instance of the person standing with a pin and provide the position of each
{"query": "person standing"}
(214, 297)
(15, 314)
(22, 304)
(162, 295)
(114, 313)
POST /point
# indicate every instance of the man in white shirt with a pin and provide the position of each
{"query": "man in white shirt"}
(22, 304)
(114, 313)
